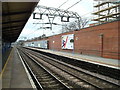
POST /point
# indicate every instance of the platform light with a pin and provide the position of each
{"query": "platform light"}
(37, 16)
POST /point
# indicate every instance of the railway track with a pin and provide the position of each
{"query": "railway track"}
(95, 68)
(44, 80)
(79, 78)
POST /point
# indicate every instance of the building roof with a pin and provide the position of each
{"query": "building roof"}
(14, 17)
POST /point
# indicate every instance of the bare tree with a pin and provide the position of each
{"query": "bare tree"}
(75, 25)
(84, 22)
(44, 35)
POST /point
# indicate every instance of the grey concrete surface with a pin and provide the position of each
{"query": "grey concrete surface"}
(14, 75)
(113, 63)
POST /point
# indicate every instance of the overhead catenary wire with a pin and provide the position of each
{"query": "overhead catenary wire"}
(55, 11)
(63, 3)
(39, 21)
(74, 4)
(59, 7)
(29, 33)
(32, 28)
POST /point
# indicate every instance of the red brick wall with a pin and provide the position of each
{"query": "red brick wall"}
(54, 42)
(88, 41)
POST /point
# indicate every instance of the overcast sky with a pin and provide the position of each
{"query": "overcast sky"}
(84, 8)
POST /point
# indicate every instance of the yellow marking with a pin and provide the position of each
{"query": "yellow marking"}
(6, 64)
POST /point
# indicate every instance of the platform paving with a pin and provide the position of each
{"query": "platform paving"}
(14, 75)
(113, 63)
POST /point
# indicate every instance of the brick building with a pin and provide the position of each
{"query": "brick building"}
(101, 40)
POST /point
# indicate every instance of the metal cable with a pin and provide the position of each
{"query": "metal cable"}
(74, 4)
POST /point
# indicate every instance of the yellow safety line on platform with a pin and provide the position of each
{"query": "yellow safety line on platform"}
(6, 64)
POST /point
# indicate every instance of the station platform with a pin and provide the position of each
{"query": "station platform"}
(112, 63)
(14, 74)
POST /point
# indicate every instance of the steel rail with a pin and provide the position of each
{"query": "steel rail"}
(38, 85)
(80, 71)
(72, 75)
(67, 88)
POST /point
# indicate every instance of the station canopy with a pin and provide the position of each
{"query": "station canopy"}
(14, 17)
